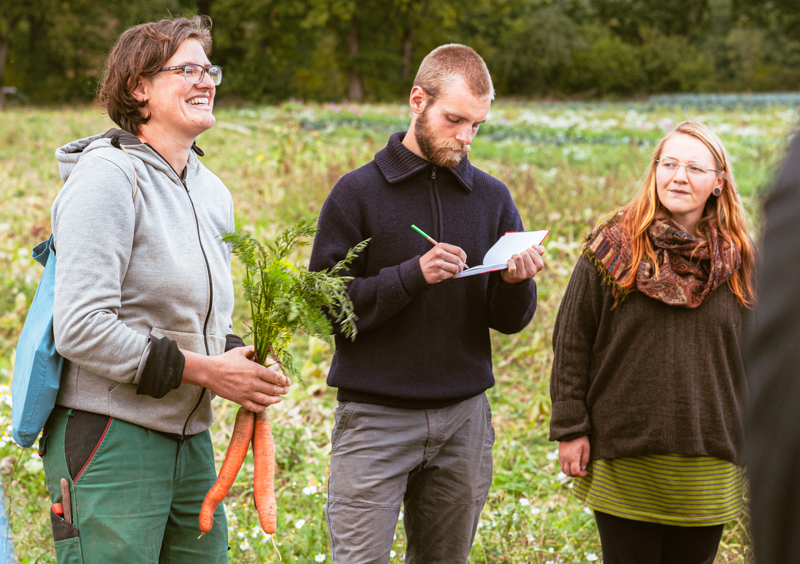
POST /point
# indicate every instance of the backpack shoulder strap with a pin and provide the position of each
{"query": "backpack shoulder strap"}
(133, 168)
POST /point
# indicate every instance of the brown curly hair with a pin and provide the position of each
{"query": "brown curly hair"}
(141, 52)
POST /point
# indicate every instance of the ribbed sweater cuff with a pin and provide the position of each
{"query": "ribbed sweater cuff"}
(233, 342)
(163, 369)
(525, 290)
(569, 420)
(412, 278)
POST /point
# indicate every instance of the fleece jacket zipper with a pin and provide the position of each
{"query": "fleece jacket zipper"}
(210, 303)
(210, 284)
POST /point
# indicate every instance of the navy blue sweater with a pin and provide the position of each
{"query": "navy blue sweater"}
(418, 346)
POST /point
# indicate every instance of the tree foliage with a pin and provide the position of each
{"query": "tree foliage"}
(273, 50)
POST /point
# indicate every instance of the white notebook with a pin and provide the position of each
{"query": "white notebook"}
(506, 247)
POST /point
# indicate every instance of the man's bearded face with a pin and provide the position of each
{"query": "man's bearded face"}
(438, 149)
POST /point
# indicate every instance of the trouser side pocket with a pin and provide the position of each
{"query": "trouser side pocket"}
(66, 540)
(68, 551)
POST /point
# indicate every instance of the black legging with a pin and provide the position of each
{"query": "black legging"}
(626, 541)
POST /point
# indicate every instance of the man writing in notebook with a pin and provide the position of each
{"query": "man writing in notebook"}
(413, 423)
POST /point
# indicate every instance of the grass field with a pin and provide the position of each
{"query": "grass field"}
(566, 165)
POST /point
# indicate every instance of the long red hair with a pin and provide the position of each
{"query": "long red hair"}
(726, 209)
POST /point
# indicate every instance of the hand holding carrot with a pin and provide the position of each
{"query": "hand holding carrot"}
(234, 376)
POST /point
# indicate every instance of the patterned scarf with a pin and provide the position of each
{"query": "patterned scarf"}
(689, 268)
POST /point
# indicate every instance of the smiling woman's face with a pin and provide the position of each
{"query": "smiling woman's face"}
(684, 195)
(175, 106)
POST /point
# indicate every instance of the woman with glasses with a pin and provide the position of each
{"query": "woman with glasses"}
(648, 385)
(142, 313)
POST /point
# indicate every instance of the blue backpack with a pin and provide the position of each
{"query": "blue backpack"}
(37, 367)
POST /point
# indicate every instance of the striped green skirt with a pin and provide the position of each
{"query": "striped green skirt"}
(671, 489)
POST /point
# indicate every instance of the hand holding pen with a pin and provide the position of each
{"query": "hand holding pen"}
(443, 261)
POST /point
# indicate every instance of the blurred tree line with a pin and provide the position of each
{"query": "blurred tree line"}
(53, 50)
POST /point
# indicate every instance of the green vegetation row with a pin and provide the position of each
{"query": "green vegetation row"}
(332, 50)
(279, 170)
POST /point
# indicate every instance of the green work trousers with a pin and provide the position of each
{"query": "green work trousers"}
(137, 499)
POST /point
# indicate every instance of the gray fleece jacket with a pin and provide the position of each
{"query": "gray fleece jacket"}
(137, 279)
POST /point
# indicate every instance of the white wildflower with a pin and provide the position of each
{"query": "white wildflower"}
(591, 556)
(299, 523)
(319, 558)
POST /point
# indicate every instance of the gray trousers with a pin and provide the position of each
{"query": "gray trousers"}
(437, 461)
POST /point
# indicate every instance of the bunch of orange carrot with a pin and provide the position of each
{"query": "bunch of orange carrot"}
(284, 298)
(249, 427)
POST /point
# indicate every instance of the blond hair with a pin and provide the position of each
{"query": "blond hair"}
(451, 62)
(726, 209)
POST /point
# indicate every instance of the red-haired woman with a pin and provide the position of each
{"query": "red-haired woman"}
(648, 383)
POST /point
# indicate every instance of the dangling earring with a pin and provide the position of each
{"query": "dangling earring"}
(717, 191)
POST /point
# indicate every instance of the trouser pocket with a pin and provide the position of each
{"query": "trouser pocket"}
(66, 540)
(83, 435)
(68, 551)
(62, 529)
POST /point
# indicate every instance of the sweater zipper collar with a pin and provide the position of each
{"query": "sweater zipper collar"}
(398, 164)
(179, 177)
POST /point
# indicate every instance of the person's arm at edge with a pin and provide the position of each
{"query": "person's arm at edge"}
(375, 298)
(511, 306)
(574, 335)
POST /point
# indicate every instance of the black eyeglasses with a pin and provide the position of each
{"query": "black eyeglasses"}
(193, 73)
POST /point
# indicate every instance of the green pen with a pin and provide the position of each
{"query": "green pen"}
(429, 238)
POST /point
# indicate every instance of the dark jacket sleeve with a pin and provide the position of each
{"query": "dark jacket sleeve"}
(573, 339)
(511, 306)
(375, 298)
(772, 364)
